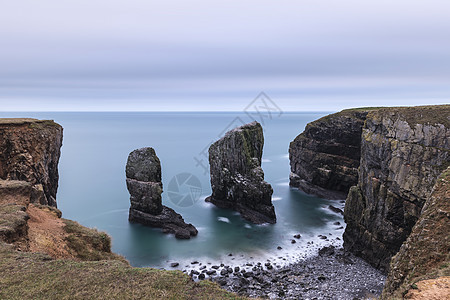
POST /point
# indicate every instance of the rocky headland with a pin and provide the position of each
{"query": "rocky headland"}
(237, 179)
(393, 157)
(30, 151)
(325, 157)
(143, 172)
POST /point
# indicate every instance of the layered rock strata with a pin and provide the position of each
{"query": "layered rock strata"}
(237, 179)
(403, 151)
(143, 172)
(325, 157)
(30, 151)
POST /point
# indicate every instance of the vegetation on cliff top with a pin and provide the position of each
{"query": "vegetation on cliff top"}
(27, 275)
(94, 272)
(429, 114)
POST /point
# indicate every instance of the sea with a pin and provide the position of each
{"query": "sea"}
(92, 188)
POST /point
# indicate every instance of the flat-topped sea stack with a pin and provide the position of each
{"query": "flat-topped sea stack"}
(29, 151)
(237, 179)
(143, 172)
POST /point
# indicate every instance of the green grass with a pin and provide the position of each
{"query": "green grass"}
(88, 244)
(12, 222)
(429, 114)
(35, 276)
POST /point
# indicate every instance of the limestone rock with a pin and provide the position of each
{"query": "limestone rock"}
(325, 157)
(30, 151)
(237, 179)
(143, 172)
(403, 151)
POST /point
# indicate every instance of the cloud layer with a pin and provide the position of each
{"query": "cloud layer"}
(164, 55)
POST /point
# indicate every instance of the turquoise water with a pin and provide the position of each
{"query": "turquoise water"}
(92, 186)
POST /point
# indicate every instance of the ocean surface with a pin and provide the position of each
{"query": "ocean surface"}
(92, 187)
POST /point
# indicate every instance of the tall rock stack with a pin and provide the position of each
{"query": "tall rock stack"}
(237, 179)
(143, 172)
(29, 151)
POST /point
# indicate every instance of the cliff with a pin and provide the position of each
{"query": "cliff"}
(325, 157)
(403, 151)
(143, 171)
(29, 151)
(237, 179)
(425, 254)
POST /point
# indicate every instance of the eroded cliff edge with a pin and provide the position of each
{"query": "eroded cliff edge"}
(29, 151)
(325, 157)
(403, 151)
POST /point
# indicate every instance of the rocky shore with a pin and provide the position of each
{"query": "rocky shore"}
(332, 274)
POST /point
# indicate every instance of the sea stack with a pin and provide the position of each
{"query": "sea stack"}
(237, 179)
(143, 172)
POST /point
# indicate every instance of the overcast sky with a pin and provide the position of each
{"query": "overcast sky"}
(210, 55)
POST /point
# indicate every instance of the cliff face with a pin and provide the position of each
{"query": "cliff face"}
(143, 171)
(403, 151)
(426, 252)
(29, 151)
(325, 157)
(237, 179)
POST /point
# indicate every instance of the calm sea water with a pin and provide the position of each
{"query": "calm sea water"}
(92, 187)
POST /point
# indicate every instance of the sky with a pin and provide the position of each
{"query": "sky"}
(173, 55)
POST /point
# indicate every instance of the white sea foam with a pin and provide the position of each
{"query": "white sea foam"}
(308, 245)
(283, 184)
(223, 219)
(264, 160)
(276, 198)
(248, 226)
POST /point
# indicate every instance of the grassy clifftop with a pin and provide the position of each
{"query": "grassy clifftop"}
(25, 275)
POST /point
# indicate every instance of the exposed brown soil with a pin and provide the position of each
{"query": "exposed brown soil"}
(46, 233)
(433, 289)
